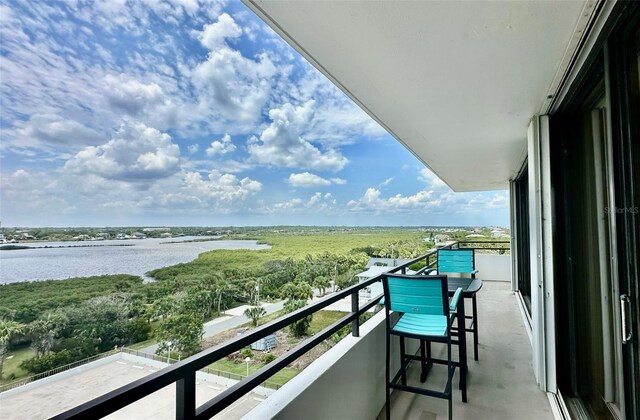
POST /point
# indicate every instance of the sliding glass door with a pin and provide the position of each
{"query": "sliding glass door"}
(595, 164)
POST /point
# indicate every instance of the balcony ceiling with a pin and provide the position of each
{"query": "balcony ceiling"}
(455, 82)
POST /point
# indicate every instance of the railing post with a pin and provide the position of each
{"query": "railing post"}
(355, 324)
(186, 397)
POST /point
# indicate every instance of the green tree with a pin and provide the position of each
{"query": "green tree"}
(181, 333)
(346, 280)
(223, 291)
(43, 332)
(8, 331)
(255, 313)
(296, 291)
(299, 328)
(100, 324)
(164, 307)
(321, 283)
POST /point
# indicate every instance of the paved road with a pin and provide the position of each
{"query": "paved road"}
(213, 329)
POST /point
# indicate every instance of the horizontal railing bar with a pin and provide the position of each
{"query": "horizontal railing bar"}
(484, 242)
(487, 248)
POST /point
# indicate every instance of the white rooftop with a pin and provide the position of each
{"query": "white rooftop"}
(53, 395)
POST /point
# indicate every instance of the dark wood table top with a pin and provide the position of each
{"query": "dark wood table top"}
(469, 286)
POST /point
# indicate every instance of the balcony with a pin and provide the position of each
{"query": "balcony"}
(346, 382)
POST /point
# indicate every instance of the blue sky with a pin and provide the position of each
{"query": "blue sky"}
(192, 112)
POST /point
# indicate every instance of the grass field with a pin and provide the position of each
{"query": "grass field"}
(12, 362)
(226, 365)
(285, 246)
(323, 319)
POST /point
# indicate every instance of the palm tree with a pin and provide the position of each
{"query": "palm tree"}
(8, 330)
(43, 332)
(255, 313)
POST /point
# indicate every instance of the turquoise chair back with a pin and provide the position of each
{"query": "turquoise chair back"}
(456, 261)
(424, 295)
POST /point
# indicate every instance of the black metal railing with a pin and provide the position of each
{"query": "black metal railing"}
(183, 373)
(500, 246)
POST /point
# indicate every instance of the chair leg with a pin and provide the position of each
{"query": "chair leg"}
(450, 380)
(423, 361)
(388, 378)
(475, 328)
(402, 358)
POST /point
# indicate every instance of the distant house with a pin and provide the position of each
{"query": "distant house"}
(165, 235)
(375, 270)
(475, 235)
(121, 236)
(386, 262)
(499, 233)
(139, 235)
(442, 238)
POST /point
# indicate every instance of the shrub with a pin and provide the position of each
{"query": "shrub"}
(268, 358)
(49, 361)
(299, 328)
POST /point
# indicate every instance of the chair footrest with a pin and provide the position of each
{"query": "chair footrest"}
(416, 390)
(432, 360)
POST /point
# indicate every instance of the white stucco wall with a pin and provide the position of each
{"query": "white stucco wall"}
(354, 363)
(493, 267)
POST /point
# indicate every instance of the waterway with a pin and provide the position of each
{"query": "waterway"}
(62, 260)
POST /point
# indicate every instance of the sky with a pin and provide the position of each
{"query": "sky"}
(193, 112)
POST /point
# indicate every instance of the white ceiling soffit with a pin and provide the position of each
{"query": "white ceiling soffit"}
(456, 82)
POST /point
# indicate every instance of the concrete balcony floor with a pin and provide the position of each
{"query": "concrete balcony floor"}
(501, 384)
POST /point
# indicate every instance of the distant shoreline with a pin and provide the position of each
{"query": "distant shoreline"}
(18, 247)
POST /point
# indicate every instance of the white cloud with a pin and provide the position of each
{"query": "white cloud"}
(190, 190)
(135, 153)
(130, 95)
(54, 130)
(317, 203)
(214, 35)
(227, 82)
(308, 180)
(193, 148)
(221, 147)
(337, 120)
(225, 186)
(386, 182)
(236, 86)
(372, 200)
(281, 144)
(432, 181)
(435, 198)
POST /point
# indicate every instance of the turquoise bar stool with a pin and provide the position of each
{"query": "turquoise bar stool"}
(461, 261)
(418, 307)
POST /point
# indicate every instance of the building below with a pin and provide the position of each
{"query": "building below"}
(55, 394)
